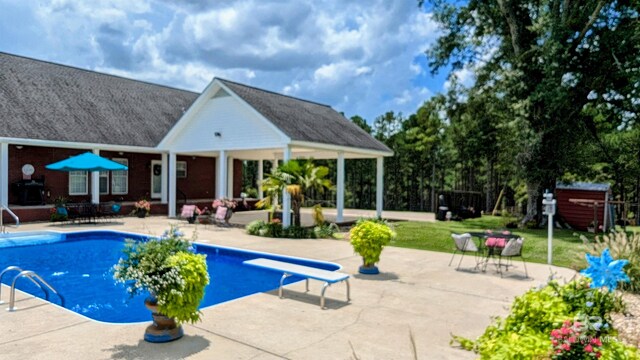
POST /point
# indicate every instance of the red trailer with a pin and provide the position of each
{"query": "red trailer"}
(582, 205)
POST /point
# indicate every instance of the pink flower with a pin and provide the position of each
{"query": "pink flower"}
(596, 342)
(565, 331)
(588, 348)
(554, 342)
(566, 347)
(572, 339)
(556, 333)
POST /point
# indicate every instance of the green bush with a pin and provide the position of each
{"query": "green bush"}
(525, 332)
(325, 231)
(369, 238)
(168, 270)
(253, 228)
(182, 302)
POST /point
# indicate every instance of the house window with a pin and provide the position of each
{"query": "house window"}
(78, 183)
(181, 169)
(120, 179)
(104, 182)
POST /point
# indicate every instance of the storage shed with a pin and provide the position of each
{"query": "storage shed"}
(582, 203)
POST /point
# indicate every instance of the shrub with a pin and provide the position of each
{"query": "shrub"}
(253, 228)
(318, 217)
(167, 269)
(369, 238)
(325, 231)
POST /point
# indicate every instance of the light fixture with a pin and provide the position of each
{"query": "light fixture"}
(120, 153)
(193, 158)
(19, 147)
(217, 134)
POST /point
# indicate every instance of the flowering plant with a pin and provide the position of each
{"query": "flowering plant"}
(203, 211)
(143, 205)
(229, 204)
(169, 269)
(571, 342)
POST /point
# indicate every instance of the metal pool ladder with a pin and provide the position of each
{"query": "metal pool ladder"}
(14, 216)
(35, 278)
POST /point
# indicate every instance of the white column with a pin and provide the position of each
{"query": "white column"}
(173, 184)
(95, 183)
(286, 198)
(260, 178)
(275, 167)
(379, 185)
(221, 174)
(230, 178)
(4, 174)
(164, 185)
(340, 187)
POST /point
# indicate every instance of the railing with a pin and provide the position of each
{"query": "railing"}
(14, 216)
(35, 278)
(183, 195)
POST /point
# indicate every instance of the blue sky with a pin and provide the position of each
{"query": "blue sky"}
(360, 57)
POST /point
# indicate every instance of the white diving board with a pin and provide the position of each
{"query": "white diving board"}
(307, 272)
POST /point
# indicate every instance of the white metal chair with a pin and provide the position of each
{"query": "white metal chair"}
(464, 243)
(511, 250)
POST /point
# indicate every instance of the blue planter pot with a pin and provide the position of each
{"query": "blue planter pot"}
(369, 270)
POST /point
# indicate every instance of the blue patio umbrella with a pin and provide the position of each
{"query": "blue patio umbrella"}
(86, 162)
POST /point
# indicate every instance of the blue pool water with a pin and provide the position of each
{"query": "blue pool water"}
(78, 265)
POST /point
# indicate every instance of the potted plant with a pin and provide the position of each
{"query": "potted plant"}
(368, 238)
(142, 208)
(229, 204)
(174, 276)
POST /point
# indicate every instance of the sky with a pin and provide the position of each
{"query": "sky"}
(360, 57)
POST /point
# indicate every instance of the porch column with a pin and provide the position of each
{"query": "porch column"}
(95, 182)
(340, 187)
(379, 185)
(286, 198)
(260, 178)
(173, 184)
(274, 201)
(164, 183)
(4, 174)
(230, 171)
(221, 174)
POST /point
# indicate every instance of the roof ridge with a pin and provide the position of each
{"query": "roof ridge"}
(97, 72)
(272, 92)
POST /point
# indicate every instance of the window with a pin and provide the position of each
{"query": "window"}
(120, 179)
(104, 182)
(181, 169)
(78, 183)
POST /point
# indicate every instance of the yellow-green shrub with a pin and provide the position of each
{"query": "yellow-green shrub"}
(368, 238)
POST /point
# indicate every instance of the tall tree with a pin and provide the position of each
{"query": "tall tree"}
(551, 60)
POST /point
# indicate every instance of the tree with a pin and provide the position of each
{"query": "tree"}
(297, 178)
(551, 60)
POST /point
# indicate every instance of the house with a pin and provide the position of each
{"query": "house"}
(177, 144)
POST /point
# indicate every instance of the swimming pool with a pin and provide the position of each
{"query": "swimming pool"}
(78, 265)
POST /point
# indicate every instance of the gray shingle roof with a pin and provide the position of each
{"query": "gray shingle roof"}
(42, 100)
(579, 185)
(304, 120)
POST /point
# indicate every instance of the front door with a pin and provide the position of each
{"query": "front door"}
(156, 179)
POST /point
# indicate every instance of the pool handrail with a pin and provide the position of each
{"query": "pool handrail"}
(30, 274)
(14, 216)
(16, 268)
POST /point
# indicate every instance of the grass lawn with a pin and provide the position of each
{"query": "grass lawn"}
(568, 249)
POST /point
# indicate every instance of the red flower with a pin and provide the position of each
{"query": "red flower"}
(588, 348)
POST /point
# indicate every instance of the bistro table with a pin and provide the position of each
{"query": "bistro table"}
(491, 244)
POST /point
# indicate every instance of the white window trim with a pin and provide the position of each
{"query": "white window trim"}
(105, 174)
(122, 161)
(178, 163)
(86, 183)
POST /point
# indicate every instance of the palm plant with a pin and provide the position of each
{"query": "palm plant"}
(297, 177)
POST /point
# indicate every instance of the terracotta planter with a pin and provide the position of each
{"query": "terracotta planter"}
(163, 329)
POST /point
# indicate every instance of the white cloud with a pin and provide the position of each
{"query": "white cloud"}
(358, 57)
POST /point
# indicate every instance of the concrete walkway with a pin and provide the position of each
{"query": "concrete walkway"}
(417, 293)
(245, 217)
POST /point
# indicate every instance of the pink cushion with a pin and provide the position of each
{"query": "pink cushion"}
(188, 210)
(495, 242)
(221, 213)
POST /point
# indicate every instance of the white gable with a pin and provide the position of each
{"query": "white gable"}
(239, 127)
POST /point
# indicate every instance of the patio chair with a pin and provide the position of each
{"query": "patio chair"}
(189, 213)
(222, 216)
(464, 243)
(511, 250)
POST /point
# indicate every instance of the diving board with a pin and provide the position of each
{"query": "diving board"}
(307, 272)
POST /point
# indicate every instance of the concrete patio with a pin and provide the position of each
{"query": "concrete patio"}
(417, 293)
